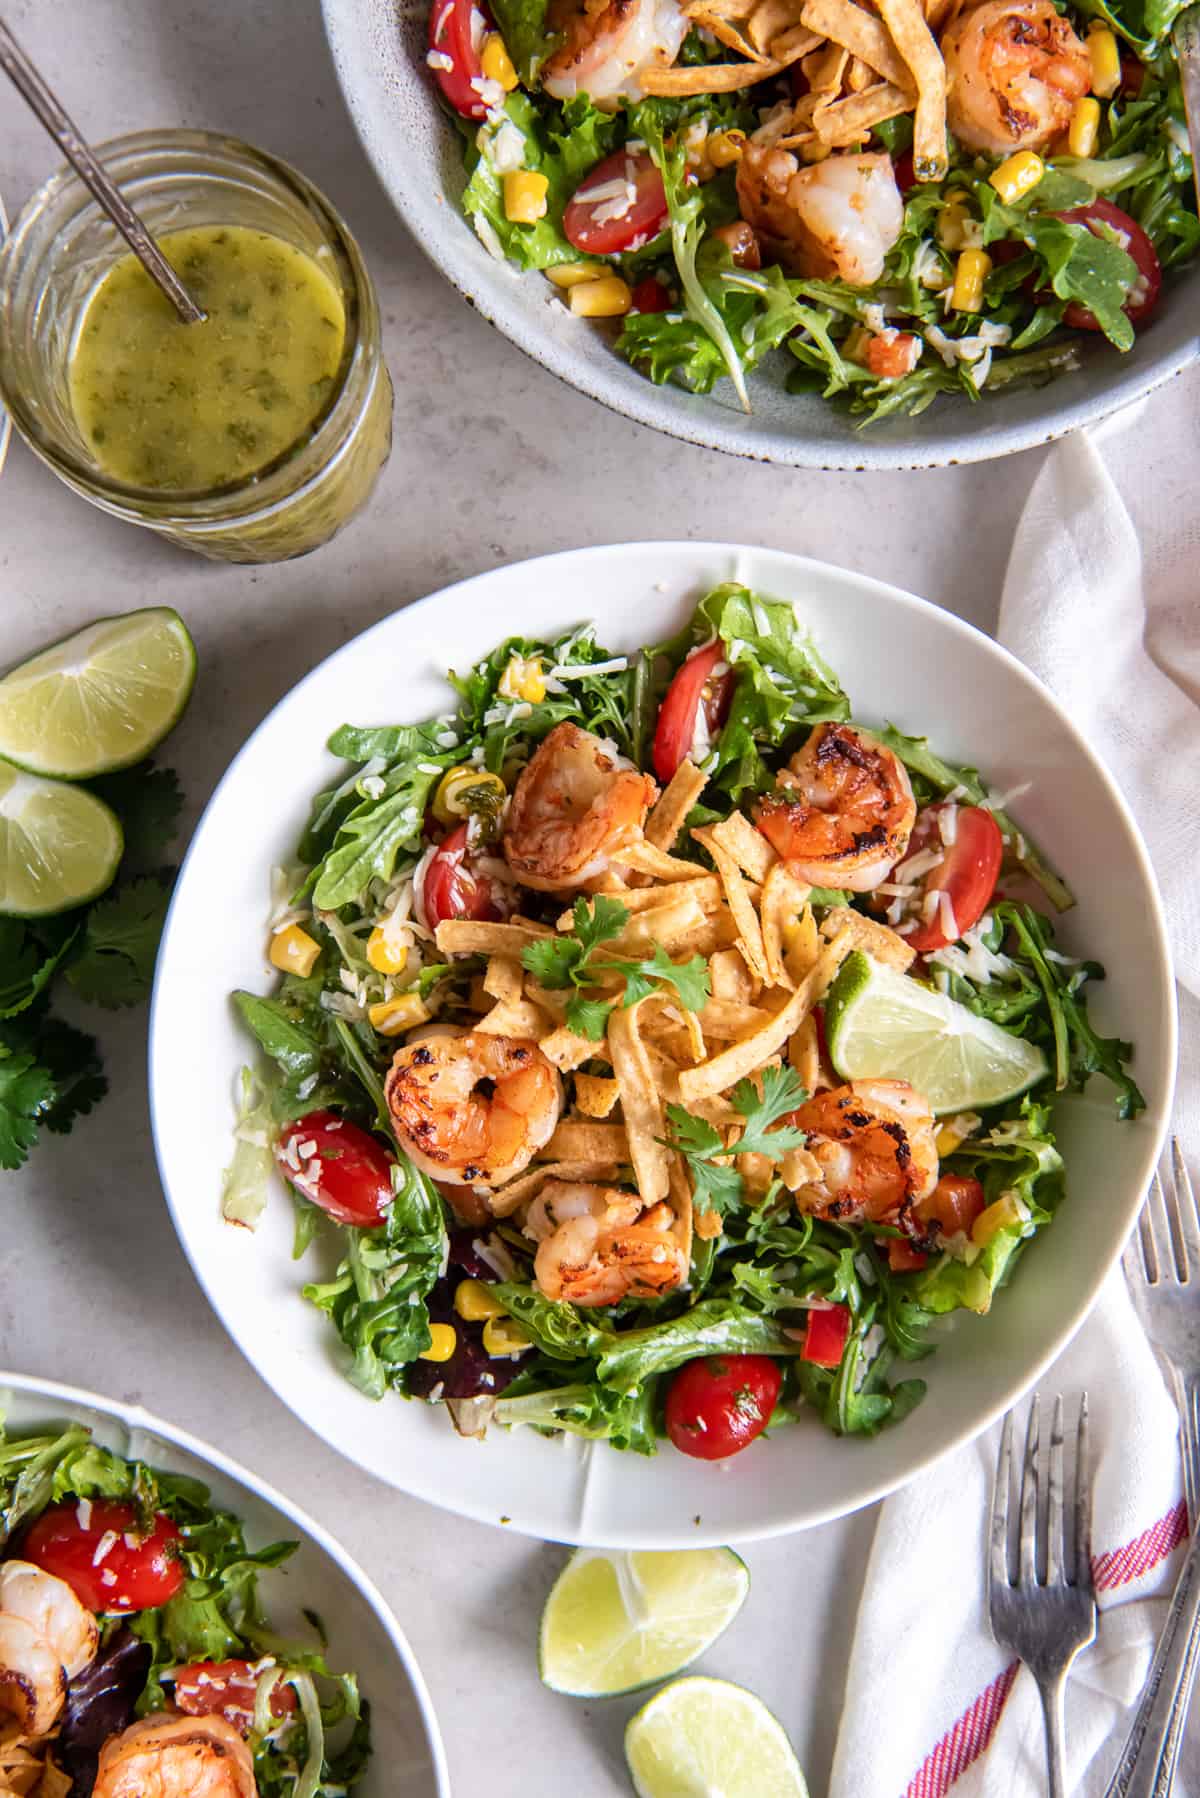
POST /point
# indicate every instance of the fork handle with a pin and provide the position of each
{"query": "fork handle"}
(1146, 1768)
(1051, 1693)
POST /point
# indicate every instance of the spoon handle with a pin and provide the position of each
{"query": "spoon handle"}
(34, 91)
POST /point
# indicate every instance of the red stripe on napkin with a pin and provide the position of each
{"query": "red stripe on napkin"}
(967, 1738)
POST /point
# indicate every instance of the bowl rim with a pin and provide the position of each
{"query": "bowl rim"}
(136, 1417)
(671, 410)
(1155, 1119)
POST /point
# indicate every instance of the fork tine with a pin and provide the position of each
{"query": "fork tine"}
(1083, 1499)
(999, 1565)
(1185, 1205)
(1056, 1525)
(1151, 1230)
(1027, 1555)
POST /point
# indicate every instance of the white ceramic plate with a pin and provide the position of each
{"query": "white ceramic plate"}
(900, 659)
(408, 1759)
(379, 53)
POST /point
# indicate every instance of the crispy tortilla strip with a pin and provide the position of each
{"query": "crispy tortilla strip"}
(859, 75)
(941, 14)
(769, 18)
(804, 945)
(876, 940)
(804, 1055)
(644, 858)
(641, 1103)
(757, 1171)
(727, 1020)
(552, 1000)
(848, 121)
(681, 1203)
(799, 1169)
(568, 1051)
(504, 979)
(728, 33)
(521, 1018)
(595, 1094)
(825, 68)
(673, 921)
(739, 838)
(791, 45)
(861, 32)
(917, 46)
(707, 1225)
(666, 820)
(784, 897)
(701, 10)
(510, 1197)
(749, 930)
(578, 1139)
(708, 78)
(464, 936)
(730, 978)
(706, 891)
(748, 1056)
(670, 1025)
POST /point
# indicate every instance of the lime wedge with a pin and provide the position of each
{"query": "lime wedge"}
(617, 1621)
(705, 1738)
(100, 699)
(882, 1024)
(59, 845)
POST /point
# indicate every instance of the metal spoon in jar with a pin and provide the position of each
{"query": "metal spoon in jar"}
(34, 91)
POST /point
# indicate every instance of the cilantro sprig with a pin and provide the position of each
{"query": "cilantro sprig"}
(716, 1182)
(572, 960)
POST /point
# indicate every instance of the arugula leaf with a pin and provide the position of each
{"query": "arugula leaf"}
(523, 27)
(26, 1093)
(560, 1330)
(374, 833)
(148, 801)
(713, 1327)
(563, 153)
(626, 1419)
(114, 963)
(1082, 265)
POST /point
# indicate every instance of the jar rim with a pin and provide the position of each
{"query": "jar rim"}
(262, 492)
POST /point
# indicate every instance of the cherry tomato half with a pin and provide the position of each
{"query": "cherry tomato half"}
(904, 171)
(106, 1562)
(825, 1335)
(968, 871)
(651, 296)
(455, 39)
(903, 1258)
(1144, 297)
(452, 890)
(227, 1689)
(691, 688)
(338, 1166)
(592, 222)
(718, 1404)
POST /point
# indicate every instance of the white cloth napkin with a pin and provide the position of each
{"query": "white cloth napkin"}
(1114, 631)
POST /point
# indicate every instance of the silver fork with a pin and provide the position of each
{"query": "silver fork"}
(1162, 1270)
(1048, 1612)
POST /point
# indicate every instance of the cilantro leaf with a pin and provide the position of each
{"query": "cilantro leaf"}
(29, 955)
(26, 1091)
(72, 1059)
(715, 1188)
(114, 965)
(597, 922)
(588, 1017)
(716, 1182)
(553, 960)
(689, 979)
(781, 1093)
(148, 801)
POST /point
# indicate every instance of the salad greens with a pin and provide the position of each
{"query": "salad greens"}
(760, 1268)
(217, 1615)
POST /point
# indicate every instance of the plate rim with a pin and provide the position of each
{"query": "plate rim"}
(1155, 1120)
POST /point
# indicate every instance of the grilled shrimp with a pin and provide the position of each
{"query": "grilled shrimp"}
(1014, 70)
(602, 1245)
(576, 805)
(847, 811)
(833, 219)
(33, 1685)
(473, 1110)
(873, 1142)
(165, 1756)
(608, 43)
(51, 1607)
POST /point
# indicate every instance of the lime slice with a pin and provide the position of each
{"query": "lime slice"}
(617, 1621)
(100, 699)
(882, 1024)
(59, 845)
(705, 1738)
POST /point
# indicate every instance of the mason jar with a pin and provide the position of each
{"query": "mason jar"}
(60, 250)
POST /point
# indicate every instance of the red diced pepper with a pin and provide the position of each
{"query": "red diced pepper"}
(826, 1335)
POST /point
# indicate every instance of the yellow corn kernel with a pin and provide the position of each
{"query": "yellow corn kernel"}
(1106, 61)
(1085, 127)
(505, 1336)
(475, 1302)
(570, 274)
(444, 1341)
(523, 679)
(1017, 175)
(947, 1140)
(525, 196)
(725, 147)
(391, 1016)
(385, 956)
(1004, 1214)
(953, 220)
(462, 791)
(496, 63)
(293, 951)
(970, 272)
(610, 297)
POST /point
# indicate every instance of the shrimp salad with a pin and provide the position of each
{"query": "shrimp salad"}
(894, 198)
(658, 1050)
(136, 1658)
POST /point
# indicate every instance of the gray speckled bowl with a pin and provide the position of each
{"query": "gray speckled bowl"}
(378, 50)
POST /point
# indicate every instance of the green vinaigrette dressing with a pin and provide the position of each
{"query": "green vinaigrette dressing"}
(191, 407)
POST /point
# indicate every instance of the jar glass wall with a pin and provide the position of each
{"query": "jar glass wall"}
(62, 247)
